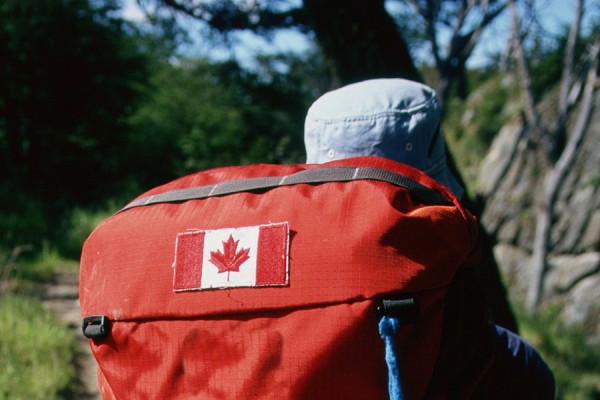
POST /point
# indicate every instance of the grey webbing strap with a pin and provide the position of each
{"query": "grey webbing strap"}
(309, 176)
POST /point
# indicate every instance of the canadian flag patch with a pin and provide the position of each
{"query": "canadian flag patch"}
(251, 256)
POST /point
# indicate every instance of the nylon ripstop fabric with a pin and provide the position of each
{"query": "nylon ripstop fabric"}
(272, 292)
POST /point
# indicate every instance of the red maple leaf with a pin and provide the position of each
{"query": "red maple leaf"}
(230, 259)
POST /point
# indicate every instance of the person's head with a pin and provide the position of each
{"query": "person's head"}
(391, 118)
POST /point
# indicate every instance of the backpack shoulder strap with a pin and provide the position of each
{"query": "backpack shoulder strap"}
(309, 176)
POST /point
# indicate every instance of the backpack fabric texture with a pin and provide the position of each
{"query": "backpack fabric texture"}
(272, 281)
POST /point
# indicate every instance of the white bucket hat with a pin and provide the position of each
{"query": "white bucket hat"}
(392, 118)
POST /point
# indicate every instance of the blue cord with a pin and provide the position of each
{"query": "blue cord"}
(388, 327)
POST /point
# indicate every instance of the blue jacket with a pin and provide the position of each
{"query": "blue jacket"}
(519, 372)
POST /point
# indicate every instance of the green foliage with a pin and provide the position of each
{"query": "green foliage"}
(37, 265)
(35, 352)
(187, 122)
(574, 362)
(595, 181)
(471, 125)
(190, 121)
(25, 221)
(545, 62)
(119, 125)
(70, 75)
(200, 115)
(22, 220)
(545, 57)
(277, 97)
(80, 223)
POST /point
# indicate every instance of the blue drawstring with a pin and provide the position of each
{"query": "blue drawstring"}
(388, 326)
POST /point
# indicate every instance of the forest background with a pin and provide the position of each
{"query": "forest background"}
(101, 100)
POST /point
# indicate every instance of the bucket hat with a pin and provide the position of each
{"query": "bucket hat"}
(396, 119)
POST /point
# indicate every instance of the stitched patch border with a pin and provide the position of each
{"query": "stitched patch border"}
(250, 256)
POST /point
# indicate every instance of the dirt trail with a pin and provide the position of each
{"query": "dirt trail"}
(62, 296)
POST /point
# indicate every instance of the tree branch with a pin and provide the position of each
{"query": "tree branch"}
(579, 278)
(531, 115)
(451, 65)
(568, 73)
(429, 16)
(476, 33)
(225, 16)
(568, 155)
(553, 181)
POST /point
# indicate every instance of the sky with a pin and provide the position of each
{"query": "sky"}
(552, 13)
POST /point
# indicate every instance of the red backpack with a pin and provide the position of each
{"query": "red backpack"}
(353, 279)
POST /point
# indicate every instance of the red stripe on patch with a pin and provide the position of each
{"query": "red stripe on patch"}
(271, 259)
(188, 261)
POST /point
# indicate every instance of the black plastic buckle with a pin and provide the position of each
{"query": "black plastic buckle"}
(95, 327)
(405, 309)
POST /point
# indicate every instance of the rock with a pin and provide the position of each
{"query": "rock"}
(499, 158)
(579, 310)
(511, 181)
(513, 261)
(567, 271)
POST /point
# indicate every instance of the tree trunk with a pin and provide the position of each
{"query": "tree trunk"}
(538, 135)
(359, 40)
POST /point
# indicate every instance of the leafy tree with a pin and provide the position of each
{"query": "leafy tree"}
(70, 75)
(200, 115)
(186, 123)
(359, 39)
(464, 21)
(274, 100)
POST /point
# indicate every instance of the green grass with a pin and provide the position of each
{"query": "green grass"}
(574, 361)
(36, 351)
(41, 266)
(81, 223)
